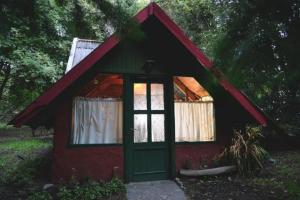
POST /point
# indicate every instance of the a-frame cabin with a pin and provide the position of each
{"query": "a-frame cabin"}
(139, 109)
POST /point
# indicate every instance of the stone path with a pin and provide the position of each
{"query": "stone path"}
(155, 190)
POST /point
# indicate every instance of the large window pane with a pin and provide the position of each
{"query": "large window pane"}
(97, 113)
(140, 128)
(194, 111)
(140, 97)
(158, 127)
(157, 96)
(97, 121)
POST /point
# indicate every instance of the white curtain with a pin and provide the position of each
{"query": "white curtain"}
(97, 121)
(194, 121)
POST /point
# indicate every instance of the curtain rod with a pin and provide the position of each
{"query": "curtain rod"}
(99, 98)
(193, 101)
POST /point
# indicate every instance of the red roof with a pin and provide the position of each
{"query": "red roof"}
(151, 10)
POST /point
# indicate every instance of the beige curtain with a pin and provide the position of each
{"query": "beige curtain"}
(194, 121)
(97, 121)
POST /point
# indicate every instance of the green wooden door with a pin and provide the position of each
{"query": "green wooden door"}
(147, 145)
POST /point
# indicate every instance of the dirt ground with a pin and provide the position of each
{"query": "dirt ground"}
(279, 180)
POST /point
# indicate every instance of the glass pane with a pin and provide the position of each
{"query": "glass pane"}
(158, 127)
(140, 98)
(157, 96)
(194, 121)
(140, 128)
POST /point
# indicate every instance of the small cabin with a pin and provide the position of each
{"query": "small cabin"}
(140, 110)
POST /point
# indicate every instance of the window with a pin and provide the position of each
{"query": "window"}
(194, 111)
(149, 116)
(97, 116)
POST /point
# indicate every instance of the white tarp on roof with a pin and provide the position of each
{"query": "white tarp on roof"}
(79, 50)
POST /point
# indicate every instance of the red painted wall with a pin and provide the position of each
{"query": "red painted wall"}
(195, 155)
(84, 161)
(198, 154)
(98, 162)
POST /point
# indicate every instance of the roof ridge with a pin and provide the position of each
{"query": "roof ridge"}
(88, 40)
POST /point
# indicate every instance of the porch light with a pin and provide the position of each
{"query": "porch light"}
(148, 66)
(96, 82)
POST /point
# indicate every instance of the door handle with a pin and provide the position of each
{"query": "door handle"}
(131, 130)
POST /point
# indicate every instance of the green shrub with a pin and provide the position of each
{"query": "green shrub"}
(245, 151)
(65, 194)
(18, 176)
(293, 190)
(114, 186)
(43, 195)
(23, 173)
(90, 190)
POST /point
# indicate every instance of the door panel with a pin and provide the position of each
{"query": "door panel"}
(154, 162)
(148, 140)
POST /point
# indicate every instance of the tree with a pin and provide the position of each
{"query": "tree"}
(255, 43)
(36, 36)
(260, 53)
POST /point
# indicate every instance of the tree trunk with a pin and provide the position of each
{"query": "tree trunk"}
(33, 132)
(5, 80)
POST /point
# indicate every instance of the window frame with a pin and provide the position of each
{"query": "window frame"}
(152, 80)
(215, 140)
(70, 136)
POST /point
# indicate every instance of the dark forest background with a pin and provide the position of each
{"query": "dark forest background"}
(255, 43)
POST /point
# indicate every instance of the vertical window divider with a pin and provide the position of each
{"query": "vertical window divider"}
(149, 111)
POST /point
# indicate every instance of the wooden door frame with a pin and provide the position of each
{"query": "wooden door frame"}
(127, 119)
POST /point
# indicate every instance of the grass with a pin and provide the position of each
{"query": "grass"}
(18, 145)
(284, 175)
(5, 126)
(25, 166)
(23, 145)
(13, 149)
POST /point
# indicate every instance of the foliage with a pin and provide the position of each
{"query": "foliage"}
(259, 53)
(4, 126)
(19, 164)
(22, 174)
(114, 186)
(255, 43)
(35, 39)
(90, 190)
(293, 190)
(17, 145)
(197, 18)
(262, 182)
(246, 152)
(17, 177)
(42, 195)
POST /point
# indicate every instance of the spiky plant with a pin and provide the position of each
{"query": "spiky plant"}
(246, 151)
